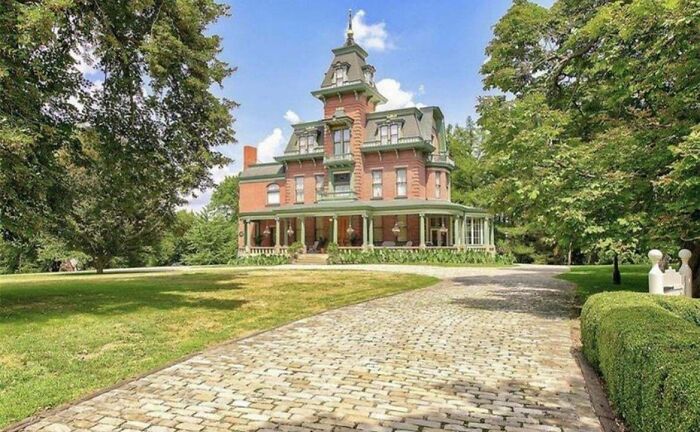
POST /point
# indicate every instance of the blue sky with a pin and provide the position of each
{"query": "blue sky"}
(425, 52)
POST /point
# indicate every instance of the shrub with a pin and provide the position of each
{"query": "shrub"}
(261, 260)
(422, 256)
(295, 249)
(647, 349)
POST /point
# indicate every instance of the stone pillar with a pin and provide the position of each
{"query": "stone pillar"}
(364, 232)
(277, 233)
(370, 233)
(422, 230)
(335, 229)
(302, 234)
(656, 276)
(455, 223)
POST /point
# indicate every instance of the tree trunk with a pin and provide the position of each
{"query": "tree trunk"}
(617, 279)
(568, 257)
(100, 263)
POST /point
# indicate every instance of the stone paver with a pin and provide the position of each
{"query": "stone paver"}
(485, 350)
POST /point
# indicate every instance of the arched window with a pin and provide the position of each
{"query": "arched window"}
(273, 194)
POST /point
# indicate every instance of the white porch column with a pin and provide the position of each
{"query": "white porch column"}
(493, 233)
(302, 233)
(285, 234)
(487, 232)
(370, 234)
(277, 232)
(458, 243)
(246, 235)
(464, 231)
(422, 231)
(365, 243)
(335, 229)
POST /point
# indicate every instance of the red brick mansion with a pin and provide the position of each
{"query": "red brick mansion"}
(358, 177)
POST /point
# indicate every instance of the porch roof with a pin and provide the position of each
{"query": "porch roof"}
(351, 207)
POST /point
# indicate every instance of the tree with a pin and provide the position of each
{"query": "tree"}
(465, 144)
(146, 135)
(224, 199)
(592, 143)
(211, 240)
(37, 79)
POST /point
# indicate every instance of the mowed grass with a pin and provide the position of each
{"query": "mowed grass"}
(64, 336)
(592, 279)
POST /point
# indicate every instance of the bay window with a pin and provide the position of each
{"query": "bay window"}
(341, 141)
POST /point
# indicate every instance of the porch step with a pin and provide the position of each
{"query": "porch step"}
(309, 259)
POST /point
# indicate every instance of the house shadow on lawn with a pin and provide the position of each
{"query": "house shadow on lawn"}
(59, 298)
(523, 293)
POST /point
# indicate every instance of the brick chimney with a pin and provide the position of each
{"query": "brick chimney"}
(250, 156)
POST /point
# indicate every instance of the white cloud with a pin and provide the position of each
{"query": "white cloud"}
(292, 117)
(396, 96)
(421, 89)
(270, 146)
(370, 36)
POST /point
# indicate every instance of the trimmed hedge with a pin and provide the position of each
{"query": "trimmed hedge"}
(647, 349)
(423, 256)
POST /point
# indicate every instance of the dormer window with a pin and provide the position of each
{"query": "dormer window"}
(369, 77)
(389, 133)
(339, 76)
(307, 143)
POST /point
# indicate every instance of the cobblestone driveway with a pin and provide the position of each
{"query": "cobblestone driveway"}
(484, 350)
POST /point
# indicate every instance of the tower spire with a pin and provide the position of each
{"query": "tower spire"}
(349, 39)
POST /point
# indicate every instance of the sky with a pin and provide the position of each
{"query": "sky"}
(425, 53)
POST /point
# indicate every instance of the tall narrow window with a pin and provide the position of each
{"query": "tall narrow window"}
(384, 134)
(438, 184)
(303, 144)
(394, 137)
(401, 182)
(377, 184)
(341, 184)
(273, 194)
(299, 189)
(341, 141)
(319, 185)
(339, 76)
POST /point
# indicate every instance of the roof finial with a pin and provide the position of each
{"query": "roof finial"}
(349, 33)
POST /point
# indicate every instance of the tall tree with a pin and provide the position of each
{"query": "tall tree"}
(593, 143)
(37, 79)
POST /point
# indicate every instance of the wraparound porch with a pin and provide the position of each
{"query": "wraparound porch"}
(363, 226)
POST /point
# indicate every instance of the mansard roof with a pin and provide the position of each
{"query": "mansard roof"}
(353, 58)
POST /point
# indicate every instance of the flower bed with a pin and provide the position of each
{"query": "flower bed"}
(414, 256)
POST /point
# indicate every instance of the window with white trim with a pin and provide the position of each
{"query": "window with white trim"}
(307, 143)
(299, 189)
(369, 76)
(377, 191)
(438, 184)
(401, 182)
(339, 76)
(341, 141)
(389, 133)
(341, 184)
(475, 228)
(273, 194)
(319, 185)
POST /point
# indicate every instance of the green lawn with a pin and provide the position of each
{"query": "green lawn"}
(63, 336)
(592, 279)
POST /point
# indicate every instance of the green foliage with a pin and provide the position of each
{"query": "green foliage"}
(127, 148)
(648, 350)
(295, 248)
(465, 147)
(423, 256)
(211, 239)
(598, 147)
(593, 279)
(261, 260)
(224, 199)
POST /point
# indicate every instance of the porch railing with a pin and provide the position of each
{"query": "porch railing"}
(338, 159)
